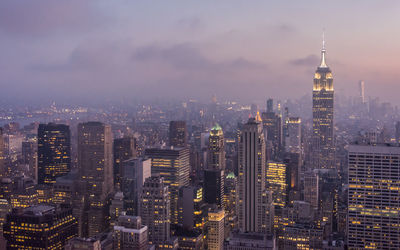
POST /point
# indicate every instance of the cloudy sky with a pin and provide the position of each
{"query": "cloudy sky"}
(178, 49)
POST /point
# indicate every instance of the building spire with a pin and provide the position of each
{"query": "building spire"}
(323, 62)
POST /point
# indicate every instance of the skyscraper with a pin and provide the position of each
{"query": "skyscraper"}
(2, 155)
(216, 149)
(95, 165)
(173, 165)
(272, 124)
(293, 136)
(361, 89)
(178, 134)
(214, 187)
(276, 179)
(155, 209)
(251, 180)
(373, 197)
(124, 149)
(215, 235)
(133, 174)
(129, 233)
(323, 144)
(54, 152)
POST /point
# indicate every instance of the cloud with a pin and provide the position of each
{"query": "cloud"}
(44, 17)
(309, 61)
(191, 24)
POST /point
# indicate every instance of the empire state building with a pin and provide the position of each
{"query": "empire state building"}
(323, 145)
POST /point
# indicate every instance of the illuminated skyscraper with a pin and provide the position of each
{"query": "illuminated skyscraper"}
(54, 152)
(216, 149)
(155, 210)
(215, 235)
(172, 164)
(276, 179)
(373, 197)
(95, 165)
(178, 134)
(323, 145)
(252, 213)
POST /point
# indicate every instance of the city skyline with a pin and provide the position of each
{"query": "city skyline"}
(102, 50)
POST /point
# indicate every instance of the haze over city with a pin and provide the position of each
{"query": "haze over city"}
(96, 50)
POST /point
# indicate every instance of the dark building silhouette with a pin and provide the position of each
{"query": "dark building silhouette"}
(178, 134)
(124, 149)
(54, 152)
(214, 186)
(40, 227)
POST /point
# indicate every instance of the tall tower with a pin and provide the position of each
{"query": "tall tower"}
(95, 165)
(323, 145)
(251, 180)
(361, 88)
(54, 152)
(216, 149)
(178, 134)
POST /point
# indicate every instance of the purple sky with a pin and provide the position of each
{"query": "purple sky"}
(241, 50)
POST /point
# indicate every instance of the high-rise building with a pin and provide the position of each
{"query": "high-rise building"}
(155, 210)
(323, 142)
(361, 89)
(40, 227)
(272, 124)
(293, 136)
(178, 134)
(251, 179)
(311, 188)
(2, 155)
(277, 183)
(95, 165)
(373, 197)
(191, 207)
(124, 149)
(129, 233)
(215, 235)
(29, 158)
(172, 164)
(216, 149)
(214, 187)
(54, 152)
(133, 174)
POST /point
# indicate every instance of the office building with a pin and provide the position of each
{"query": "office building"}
(276, 179)
(216, 225)
(311, 188)
(272, 124)
(373, 197)
(214, 187)
(155, 210)
(293, 135)
(124, 149)
(133, 174)
(216, 149)
(323, 142)
(40, 227)
(129, 233)
(191, 206)
(251, 179)
(173, 165)
(95, 165)
(178, 134)
(250, 241)
(54, 152)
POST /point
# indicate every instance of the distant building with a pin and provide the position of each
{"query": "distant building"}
(54, 152)
(95, 165)
(178, 134)
(272, 124)
(293, 136)
(40, 227)
(124, 149)
(172, 164)
(311, 188)
(2, 155)
(373, 197)
(216, 149)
